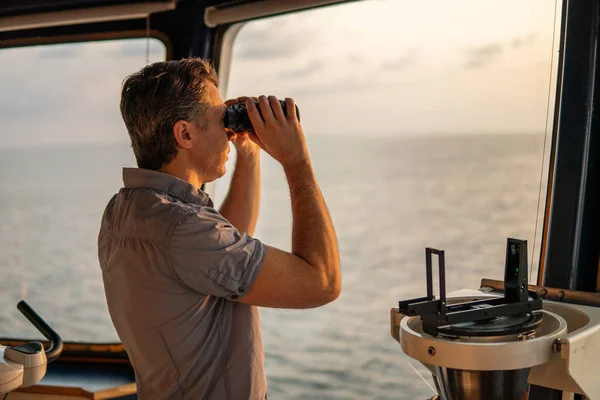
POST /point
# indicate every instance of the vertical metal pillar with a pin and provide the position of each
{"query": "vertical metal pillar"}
(571, 245)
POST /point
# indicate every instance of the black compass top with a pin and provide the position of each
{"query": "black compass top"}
(497, 326)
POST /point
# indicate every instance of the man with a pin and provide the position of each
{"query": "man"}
(182, 280)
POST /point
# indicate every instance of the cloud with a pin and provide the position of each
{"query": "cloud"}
(269, 42)
(337, 88)
(63, 51)
(60, 91)
(355, 58)
(524, 41)
(309, 69)
(477, 57)
(136, 49)
(410, 57)
(130, 48)
(30, 93)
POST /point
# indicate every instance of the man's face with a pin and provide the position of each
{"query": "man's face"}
(211, 148)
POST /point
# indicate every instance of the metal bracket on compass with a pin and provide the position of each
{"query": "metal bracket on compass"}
(437, 313)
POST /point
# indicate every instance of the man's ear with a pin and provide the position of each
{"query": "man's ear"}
(182, 133)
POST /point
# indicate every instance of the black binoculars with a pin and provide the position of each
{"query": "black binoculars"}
(237, 119)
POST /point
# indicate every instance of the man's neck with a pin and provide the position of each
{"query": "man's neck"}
(183, 172)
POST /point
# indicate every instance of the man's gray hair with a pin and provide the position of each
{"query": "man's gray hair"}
(155, 98)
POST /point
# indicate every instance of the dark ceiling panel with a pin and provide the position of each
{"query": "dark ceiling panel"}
(22, 7)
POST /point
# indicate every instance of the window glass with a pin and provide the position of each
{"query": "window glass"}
(426, 124)
(62, 146)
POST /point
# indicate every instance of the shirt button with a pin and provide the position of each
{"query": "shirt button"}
(240, 290)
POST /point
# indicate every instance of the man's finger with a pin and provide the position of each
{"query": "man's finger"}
(241, 99)
(265, 109)
(290, 107)
(276, 107)
(254, 116)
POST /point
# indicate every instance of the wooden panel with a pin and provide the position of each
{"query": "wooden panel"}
(555, 294)
(85, 381)
(30, 396)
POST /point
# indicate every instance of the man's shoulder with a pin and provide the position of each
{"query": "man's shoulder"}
(137, 212)
(152, 200)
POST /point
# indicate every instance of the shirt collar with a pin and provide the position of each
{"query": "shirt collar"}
(146, 178)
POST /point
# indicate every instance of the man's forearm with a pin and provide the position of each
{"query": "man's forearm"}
(242, 202)
(313, 234)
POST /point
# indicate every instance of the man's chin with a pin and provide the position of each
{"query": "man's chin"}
(220, 174)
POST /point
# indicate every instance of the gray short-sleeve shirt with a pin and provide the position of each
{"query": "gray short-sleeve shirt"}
(173, 268)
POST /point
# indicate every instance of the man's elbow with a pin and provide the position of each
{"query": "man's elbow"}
(334, 292)
(330, 291)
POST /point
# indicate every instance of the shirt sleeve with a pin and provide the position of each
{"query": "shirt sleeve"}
(210, 256)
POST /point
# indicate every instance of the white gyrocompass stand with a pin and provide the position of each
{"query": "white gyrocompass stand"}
(486, 345)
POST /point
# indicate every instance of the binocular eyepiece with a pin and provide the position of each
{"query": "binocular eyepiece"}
(237, 119)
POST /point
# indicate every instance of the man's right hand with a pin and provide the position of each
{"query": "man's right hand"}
(279, 135)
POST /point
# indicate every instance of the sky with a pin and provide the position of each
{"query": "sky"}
(374, 67)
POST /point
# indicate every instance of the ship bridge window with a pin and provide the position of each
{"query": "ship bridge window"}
(428, 126)
(62, 146)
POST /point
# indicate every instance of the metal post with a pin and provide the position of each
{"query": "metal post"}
(572, 237)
